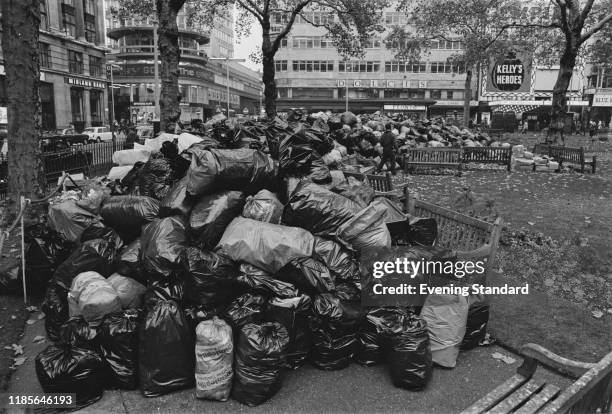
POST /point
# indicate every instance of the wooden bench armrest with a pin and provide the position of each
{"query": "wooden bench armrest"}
(482, 251)
(536, 353)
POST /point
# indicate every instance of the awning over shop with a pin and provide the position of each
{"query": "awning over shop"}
(525, 106)
(452, 104)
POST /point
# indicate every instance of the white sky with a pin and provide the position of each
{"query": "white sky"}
(244, 47)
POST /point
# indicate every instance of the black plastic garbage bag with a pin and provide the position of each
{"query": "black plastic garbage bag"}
(309, 275)
(333, 325)
(129, 183)
(162, 244)
(476, 327)
(319, 172)
(69, 220)
(318, 210)
(263, 206)
(293, 314)
(155, 178)
(240, 169)
(63, 369)
(129, 262)
(296, 156)
(360, 192)
(55, 308)
(176, 202)
(422, 231)
(260, 358)
(209, 277)
(374, 332)
(95, 255)
(409, 358)
(77, 333)
(118, 340)
(341, 262)
(245, 309)
(166, 357)
(100, 231)
(212, 214)
(127, 214)
(254, 280)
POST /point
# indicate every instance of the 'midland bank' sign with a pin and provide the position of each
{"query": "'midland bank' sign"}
(509, 75)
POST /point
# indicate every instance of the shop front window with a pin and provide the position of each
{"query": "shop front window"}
(76, 104)
(95, 105)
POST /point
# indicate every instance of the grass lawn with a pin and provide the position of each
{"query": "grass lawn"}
(557, 238)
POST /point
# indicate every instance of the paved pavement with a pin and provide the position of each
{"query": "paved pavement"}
(355, 389)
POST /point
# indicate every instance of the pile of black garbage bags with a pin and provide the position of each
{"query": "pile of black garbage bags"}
(222, 268)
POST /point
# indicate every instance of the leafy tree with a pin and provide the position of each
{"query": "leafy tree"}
(483, 27)
(20, 21)
(166, 12)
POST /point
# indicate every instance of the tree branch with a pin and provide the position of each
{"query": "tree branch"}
(596, 28)
(563, 13)
(586, 10)
(250, 10)
(289, 24)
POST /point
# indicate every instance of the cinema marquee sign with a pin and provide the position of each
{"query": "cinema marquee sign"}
(511, 74)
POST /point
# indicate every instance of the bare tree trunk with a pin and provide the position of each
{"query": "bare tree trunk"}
(467, 97)
(269, 72)
(564, 77)
(20, 21)
(170, 53)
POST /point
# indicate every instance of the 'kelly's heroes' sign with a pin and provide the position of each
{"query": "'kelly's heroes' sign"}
(510, 74)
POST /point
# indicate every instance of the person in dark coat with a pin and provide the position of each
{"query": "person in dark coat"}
(387, 141)
(131, 138)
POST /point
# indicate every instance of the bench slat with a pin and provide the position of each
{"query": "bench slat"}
(538, 401)
(517, 397)
(498, 394)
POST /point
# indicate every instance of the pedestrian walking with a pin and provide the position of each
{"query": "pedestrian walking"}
(524, 128)
(387, 141)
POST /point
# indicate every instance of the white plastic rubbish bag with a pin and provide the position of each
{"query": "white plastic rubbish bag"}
(214, 352)
(130, 292)
(94, 297)
(131, 156)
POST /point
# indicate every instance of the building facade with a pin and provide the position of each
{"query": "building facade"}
(202, 82)
(73, 86)
(310, 73)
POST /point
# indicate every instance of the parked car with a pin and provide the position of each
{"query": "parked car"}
(99, 134)
(68, 135)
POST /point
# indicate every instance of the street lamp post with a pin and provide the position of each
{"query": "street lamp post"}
(156, 70)
(109, 69)
(227, 88)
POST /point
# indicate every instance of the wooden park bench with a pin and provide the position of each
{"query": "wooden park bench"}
(470, 237)
(522, 394)
(433, 158)
(566, 155)
(380, 183)
(488, 155)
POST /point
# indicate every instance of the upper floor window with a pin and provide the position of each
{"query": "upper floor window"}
(69, 17)
(95, 66)
(75, 62)
(44, 18)
(44, 55)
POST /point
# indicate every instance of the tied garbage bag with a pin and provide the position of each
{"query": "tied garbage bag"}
(477, 320)
(212, 214)
(263, 206)
(77, 333)
(409, 355)
(366, 230)
(260, 358)
(422, 231)
(127, 214)
(176, 202)
(131, 156)
(341, 262)
(165, 358)
(162, 244)
(96, 255)
(264, 245)
(119, 348)
(293, 314)
(375, 331)
(240, 169)
(309, 275)
(446, 317)
(319, 172)
(209, 277)
(69, 220)
(129, 261)
(214, 354)
(55, 308)
(129, 291)
(333, 325)
(155, 178)
(93, 297)
(358, 191)
(63, 369)
(245, 309)
(255, 280)
(318, 210)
